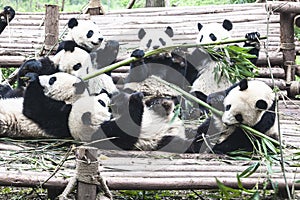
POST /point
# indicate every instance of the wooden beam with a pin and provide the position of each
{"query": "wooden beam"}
(51, 27)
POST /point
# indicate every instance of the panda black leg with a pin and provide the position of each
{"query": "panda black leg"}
(178, 145)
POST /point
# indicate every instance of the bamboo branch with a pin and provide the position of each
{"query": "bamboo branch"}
(157, 51)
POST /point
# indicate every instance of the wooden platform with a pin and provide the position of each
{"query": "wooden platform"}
(30, 165)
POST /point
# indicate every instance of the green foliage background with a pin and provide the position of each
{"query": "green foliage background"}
(77, 5)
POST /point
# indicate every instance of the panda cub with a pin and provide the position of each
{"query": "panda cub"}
(161, 65)
(87, 36)
(243, 104)
(8, 13)
(76, 61)
(135, 125)
(44, 110)
(70, 59)
(206, 82)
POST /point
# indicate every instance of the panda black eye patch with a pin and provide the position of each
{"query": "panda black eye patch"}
(149, 43)
(90, 34)
(239, 117)
(212, 37)
(77, 66)
(162, 41)
(101, 103)
(52, 80)
(227, 107)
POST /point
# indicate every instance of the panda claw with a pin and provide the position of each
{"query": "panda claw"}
(253, 36)
(137, 95)
(138, 53)
(31, 76)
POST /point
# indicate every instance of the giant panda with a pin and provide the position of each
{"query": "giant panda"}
(70, 59)
(161, 65)
(6, 16)
(76, 61)
(44, 110)
(136, 125)
(242, 103)
(206, 81)
(87, 36)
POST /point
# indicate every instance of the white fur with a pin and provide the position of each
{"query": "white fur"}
(215, 28)
(208, 83)
(14, 123)
(243, 102)
(66, 60)
(63, 89)
(79, 34)
(155, 35)
(155, 127)
(99, 114)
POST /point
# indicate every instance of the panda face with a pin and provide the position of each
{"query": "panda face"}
(87, 114)
(247, 102)
(85, 33)
(63, 87)
(74, 61)
(213, 32)
(154, 38)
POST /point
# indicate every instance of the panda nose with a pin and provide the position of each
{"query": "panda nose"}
(100, 39)
(155, 47)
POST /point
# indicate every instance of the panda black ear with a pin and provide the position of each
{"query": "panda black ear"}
(227, 25)
(243, 84)
(261, 104)
(169, 31)
(86, 118)
(141, 33)
(69, 45)
(72, 23)
(200, 26)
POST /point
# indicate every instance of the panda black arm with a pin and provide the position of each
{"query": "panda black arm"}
(138, 70)
(43, 66)
(253, 41)
(51, 115)
(7, 13)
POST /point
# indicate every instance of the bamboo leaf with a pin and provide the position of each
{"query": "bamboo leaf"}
(250, 170)
(269, 145)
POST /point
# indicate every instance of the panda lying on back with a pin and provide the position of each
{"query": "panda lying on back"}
(136, 125)
(242, 103)
(44, 110)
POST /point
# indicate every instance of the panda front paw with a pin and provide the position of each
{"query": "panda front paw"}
(31, 65)
(138, 53)
(31, 77)
(252, 37)
(138, 96)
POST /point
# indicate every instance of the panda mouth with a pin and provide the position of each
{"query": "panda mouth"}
(95, 43)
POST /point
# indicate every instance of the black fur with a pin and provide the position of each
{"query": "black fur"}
(7, 13)
(126, 129)
(51, 115)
